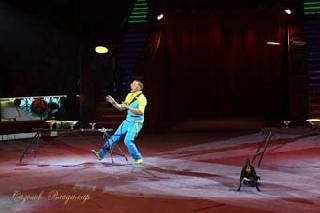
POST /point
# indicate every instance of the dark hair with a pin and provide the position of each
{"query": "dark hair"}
(248, 161)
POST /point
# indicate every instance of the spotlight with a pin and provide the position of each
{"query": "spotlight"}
(101, 49)
(160, 16)
(273, 43)
(288, 11)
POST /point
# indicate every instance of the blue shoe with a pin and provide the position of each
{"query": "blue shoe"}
(96, 154)
(138, 161)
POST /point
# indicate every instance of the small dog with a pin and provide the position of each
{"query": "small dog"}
(248, 176)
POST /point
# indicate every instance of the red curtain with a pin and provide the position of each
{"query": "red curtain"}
(221, 67)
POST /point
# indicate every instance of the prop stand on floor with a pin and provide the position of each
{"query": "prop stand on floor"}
(50, 132)
(35, 142)
(262, 149)
(115, 148)
(300, 132)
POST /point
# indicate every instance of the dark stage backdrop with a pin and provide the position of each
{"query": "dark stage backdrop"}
(221, 67)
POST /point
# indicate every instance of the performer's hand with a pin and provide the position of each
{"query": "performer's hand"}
(110, 99)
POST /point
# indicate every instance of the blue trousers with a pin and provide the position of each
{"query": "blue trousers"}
(130, 131)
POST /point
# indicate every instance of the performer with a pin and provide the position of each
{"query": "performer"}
(135, 104)
(248, 176)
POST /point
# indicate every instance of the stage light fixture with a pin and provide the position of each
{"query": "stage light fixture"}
(101, 50)
(160, 16)
(273, 43)
(288, 11)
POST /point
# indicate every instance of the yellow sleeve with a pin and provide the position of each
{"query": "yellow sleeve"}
(142, 103)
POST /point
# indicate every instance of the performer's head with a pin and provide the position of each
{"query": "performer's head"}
(136, 86)
(248, 166)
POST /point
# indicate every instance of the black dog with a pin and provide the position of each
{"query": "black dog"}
(248, 176)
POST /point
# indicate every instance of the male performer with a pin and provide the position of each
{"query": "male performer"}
(135, 104)
(248, 176)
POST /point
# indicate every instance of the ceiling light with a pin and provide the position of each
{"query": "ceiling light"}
(273, 43)
(160, 16)
(101, 49)
(288, 11)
